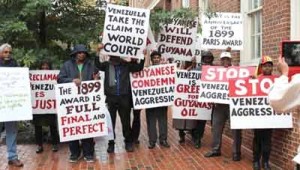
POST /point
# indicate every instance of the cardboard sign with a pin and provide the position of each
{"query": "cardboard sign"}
(42, 91)
(177, 39)
(249, 105)
(151, 44)
(15, 96)
(81, 110)
(153, 86)
(187, 90)
(297, 159)
(125, 31)
(222, 31)
(214, 82)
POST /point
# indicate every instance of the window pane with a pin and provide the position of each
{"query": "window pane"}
(252, 47)
(258, 22)
(255, 4)
(253, 24)
(258, 49)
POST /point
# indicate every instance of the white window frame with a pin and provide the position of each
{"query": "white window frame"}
(246, 56)
(295, 20)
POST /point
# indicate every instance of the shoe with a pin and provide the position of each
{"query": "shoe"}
(212, 154)
(111, 148)
(89, 158)
(266, 166)
(74, 158)
(197, 144)
(256, 166)
(181, 137)
(164, 143)
(15, 162)
(129, 147)
(39, 149)
(236, 157)
(54, 148)
(136, 142)
(151, 145)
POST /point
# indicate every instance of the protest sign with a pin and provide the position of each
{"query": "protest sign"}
(151, 44)
(125, 31)
(42, 91)
(177, 39)
(153, 86)
(15, 97)
(249, 105)
(297, 158)
(223, 30)
(214, 82)
(81, 110)
(187, 90)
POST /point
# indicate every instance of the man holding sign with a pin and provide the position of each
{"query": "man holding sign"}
(220, 115)
(79, 68)
(11, 127)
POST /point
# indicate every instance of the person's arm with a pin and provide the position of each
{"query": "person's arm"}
(135, 67)
(63, 75)
(284, 95)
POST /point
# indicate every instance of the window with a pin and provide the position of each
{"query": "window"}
(252, 12)
(185, 3)
(255, 13)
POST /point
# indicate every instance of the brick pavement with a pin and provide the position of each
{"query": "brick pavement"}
(177, 157)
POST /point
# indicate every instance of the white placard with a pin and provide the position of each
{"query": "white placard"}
(125, 31)
(15, 96)
(42, 91)
(223, 30)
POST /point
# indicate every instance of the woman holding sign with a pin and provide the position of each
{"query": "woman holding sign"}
(46, 119)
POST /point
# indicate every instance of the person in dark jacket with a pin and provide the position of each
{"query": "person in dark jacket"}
(11, 127)
(196, 127)
(40, 120)
(77, 69)
(118, 94)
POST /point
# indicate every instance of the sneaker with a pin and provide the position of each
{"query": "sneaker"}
(129, 147)
(89, 158)
(74, 158)
(39, 149)
(54, 148)
(15, 162)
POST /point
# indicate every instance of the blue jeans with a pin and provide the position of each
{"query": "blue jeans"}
(11, 139)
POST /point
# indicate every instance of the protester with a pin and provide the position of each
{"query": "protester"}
(220, 114)
(11, 128)
(77, 69)
(118, 94)
(282, 94)
(157, 114)
(262, 137)
(196, 127)
(40, 120)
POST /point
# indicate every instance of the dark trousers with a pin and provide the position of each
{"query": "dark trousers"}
(86, 144)
(39, 135)
(262, 144)
(198, 132)
(220, 115)
(153, 115)
(136, 125)
(123, 106)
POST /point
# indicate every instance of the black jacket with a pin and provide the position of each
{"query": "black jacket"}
(125, 87)
(8, 63)
(69, 71)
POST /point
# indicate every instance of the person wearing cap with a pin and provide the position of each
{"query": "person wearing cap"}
(196, 127)
(262, 137)
(220, 114)
(11, 127)
(118, 93)
(77, 69)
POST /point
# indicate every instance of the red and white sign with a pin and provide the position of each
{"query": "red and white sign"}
(153, 86)
(187, 89)
(249, 105)
(214, 82)
(81, 110)
(42, 91)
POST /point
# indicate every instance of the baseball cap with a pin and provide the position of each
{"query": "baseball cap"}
(225, 54)
(266, 59)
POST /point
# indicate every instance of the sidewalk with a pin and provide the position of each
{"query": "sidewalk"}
(179, 157)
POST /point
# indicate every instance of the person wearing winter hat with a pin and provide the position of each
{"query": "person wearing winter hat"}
(77, 69)
(220, 114)
(262, 137)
